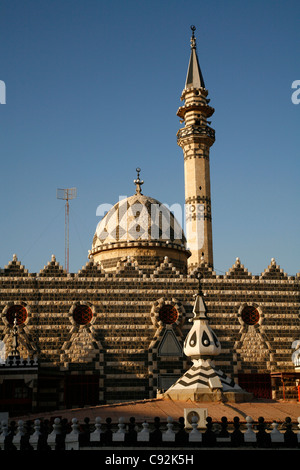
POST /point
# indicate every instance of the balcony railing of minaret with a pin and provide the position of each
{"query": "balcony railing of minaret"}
(196, 130)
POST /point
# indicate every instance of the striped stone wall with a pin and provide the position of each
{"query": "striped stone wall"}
(125, 345)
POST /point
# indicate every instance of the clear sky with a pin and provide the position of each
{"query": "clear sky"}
(92, 91)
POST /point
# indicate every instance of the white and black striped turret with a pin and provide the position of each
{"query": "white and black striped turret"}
(201, 341)
(203, 381)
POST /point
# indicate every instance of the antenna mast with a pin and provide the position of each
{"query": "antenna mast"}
(66, 194)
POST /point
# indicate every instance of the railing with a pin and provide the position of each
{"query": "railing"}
(60, 434)
(196, 130)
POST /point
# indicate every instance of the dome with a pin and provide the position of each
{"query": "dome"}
(140, 227)
(138, 218)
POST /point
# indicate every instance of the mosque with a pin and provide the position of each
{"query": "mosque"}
(147, 315)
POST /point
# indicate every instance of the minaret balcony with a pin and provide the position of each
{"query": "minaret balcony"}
(196, 131)
(201, 108)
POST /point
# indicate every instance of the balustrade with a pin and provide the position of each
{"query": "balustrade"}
(62, 435)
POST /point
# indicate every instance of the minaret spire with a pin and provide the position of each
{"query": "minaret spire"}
(196, 138)
(194, 75)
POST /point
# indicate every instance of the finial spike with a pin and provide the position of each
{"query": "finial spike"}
(138, 182)
(15, 344)
(193, 39)
(200, 277)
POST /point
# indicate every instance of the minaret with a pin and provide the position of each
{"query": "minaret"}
(196, 138)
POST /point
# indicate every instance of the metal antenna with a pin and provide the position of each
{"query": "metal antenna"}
(66, 195)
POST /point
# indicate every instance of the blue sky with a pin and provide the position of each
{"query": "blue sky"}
(92, 91)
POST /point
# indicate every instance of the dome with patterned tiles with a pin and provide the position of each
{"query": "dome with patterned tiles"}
(138, 226)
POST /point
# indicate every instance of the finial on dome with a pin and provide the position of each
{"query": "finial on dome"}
(138, 182)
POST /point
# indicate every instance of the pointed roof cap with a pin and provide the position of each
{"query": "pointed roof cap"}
(199, 309)
(194, 76)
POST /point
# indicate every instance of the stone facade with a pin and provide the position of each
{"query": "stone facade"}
(125, 350)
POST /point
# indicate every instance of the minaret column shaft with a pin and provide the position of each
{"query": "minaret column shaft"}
(198, 203)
